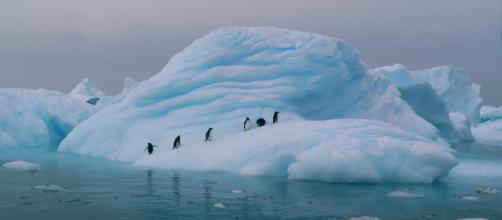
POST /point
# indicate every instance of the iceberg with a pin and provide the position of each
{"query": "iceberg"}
(38, 118)
(330, 105)
(441, 96)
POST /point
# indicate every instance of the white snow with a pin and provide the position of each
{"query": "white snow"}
(21, 165)
(38, 118)
(49, 188)
(404, 194)
(233, 73)
(86, 90)
(219, 205)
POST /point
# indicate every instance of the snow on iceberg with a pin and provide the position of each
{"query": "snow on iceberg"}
(21, 165)
(233, 73)
(340, 150)
(433, 99)
(38, 118)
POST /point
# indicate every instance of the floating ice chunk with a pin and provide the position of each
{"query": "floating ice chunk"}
(486, 190)
(489, 130)
(364, 218)
(49, 188)
(470, 198)
(22, 165)
(472, 219)
(236, 191)
(219, 205)
(404, 194)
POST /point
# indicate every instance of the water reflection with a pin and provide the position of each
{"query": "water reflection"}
(175, 180)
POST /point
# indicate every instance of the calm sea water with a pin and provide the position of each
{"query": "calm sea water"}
(100, 189)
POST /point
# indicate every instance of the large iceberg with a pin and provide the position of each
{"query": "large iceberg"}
(38, 118)
(234, 73)
(443, 95)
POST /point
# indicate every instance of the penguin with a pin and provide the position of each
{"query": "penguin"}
(177, 142)
(247, 124)
(261, 122)
(275, 119)
(149, 148)
(209, 134)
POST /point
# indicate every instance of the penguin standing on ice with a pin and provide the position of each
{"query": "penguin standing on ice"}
(275, 119)
(247, 124)
(209, 134)
(261, 122)
(149, 148)
(177, 142)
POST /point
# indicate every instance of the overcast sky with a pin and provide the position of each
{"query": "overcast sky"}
(55, 43)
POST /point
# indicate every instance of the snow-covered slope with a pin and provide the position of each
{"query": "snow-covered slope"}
(432, 93)
(38, 118)
(234, 73)
(86, 90)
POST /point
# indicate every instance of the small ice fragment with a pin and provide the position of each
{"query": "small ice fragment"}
(486, 190)
(403, 194)
(22, 165)
(219, 205)
(472, 219)
(470, 198)
(236, 191)
(50, 188)
(364, 218)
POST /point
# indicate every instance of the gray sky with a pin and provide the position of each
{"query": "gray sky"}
(55, 43)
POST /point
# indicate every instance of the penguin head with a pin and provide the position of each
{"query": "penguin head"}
(247, 118)
(149, 144)
(276, 113)
(210, 129)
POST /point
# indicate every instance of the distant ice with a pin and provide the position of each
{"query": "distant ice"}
(489, 130)
(38, 118)
(404, 194)
(22, 165)
(236, 191)
(49, 188)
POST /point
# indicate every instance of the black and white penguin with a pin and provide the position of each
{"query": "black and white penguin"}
(177, 142)
(149, 148)
(209, 134)
(275, 119)
(247, 124)
(261, 122)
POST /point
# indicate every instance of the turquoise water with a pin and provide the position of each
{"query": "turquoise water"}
(100, 189)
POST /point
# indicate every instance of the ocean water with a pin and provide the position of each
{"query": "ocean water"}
(100, 189)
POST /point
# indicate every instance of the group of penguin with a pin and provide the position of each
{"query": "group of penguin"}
(209, 133)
